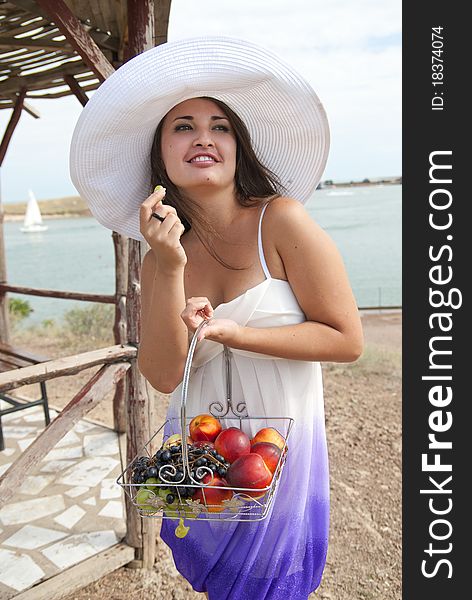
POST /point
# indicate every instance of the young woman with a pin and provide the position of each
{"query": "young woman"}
(232, 245)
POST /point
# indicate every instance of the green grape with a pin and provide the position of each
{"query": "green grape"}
(142, 498)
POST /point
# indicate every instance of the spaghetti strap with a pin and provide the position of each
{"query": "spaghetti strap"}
(259, 244)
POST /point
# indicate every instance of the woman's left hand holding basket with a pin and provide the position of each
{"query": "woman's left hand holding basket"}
(224, 331)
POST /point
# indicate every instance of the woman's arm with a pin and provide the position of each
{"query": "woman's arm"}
(316, 273)
(163, 335)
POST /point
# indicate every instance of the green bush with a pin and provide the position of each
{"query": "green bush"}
(18, 311)
(93, 325)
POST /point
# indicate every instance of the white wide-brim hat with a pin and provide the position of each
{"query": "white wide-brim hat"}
(111, 144)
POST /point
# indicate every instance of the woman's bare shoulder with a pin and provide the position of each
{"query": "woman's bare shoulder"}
(285, 213)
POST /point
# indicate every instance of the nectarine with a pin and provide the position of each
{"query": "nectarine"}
(269, 434)
(204, 427)
(269, 452)
(232, 443)
(214, 495)
(249, 471)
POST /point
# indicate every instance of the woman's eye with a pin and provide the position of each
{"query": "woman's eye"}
(183, 127)
(221, 128)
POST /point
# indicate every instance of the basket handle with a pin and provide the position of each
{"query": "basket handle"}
(183, 405)
(216, 407)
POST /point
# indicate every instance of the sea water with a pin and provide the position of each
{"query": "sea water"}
(76, 254)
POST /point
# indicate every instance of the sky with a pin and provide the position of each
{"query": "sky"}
(348, 50)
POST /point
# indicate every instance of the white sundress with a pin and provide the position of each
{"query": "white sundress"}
(282, 556)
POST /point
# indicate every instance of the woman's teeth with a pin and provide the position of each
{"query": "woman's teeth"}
(203, 159)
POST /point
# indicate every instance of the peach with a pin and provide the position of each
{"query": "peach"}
(249, 471)
(269, 452)
(232, 443)
(204, 427)
(269, 434)
(214, 495)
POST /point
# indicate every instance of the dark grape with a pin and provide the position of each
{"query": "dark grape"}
(170, 498)
(199, 451)
(139, 478)
(175, 449)
(191, 491)
(221, 471)
(220, 458)
(165, 457)
(183, 492)
(136, 476)
(158, 454)
(213, 467)
(178, 476)
(213, 452)
(151, 472)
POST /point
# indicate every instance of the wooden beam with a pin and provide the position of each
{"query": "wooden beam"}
(15, 117)
(76, 89)
(140, 26)
(70, 365)
(19, 289)
(31, 110)
(78, 37)
(161, 21)
(86, 572)
(8, 43)
(82, 403)
(141, 422)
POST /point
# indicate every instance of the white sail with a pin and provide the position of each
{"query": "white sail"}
(33, 220)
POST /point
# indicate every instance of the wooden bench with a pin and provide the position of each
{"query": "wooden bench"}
(12, 357)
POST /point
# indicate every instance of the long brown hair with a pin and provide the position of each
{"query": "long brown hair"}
(254, 182)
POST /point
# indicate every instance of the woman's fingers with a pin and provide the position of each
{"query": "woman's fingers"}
(198, 309)
(153, 203)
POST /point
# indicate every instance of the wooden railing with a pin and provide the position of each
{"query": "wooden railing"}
(112, 371)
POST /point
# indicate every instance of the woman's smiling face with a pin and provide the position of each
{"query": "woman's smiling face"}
(198, 145)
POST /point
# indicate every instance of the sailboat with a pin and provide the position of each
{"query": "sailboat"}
(33, 221)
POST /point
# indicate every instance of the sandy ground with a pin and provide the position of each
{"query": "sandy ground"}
(363, 420)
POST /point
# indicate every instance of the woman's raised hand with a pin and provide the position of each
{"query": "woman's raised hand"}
(163, 236)
(200, 309)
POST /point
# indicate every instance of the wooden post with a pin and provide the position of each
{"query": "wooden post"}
(141, 422)
(120, 244)
(4, 317)
(13, 122)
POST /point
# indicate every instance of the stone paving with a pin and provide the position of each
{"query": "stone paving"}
(67, 510)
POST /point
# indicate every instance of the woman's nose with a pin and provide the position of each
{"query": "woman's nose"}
(203, 138)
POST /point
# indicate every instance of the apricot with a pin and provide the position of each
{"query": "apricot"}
(232, 443)
(204, 427)
(249, 471)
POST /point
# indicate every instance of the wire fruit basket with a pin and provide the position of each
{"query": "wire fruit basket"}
(190, 479)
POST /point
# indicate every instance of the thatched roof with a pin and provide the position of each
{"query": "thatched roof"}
(36, 56)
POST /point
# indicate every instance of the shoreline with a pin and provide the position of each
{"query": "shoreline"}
(75, 207)
(15, 218)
